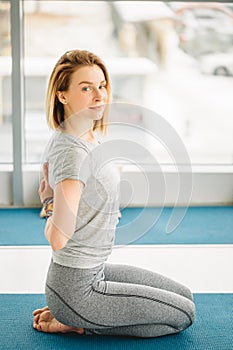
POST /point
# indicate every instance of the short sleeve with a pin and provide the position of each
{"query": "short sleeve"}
(72, 163)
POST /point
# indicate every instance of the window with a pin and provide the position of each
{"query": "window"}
(152, 64)
(163, 61)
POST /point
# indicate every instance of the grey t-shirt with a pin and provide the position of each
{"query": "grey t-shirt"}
(70, 157)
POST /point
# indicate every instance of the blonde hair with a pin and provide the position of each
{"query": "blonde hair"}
(60, 81)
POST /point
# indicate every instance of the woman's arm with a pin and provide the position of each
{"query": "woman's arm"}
(61, 225)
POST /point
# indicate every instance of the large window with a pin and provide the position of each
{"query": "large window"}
(171, 58)
(5, 84)
(171, 71)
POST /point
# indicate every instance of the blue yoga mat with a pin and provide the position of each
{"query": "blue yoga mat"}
(201, 225)
(212, 330)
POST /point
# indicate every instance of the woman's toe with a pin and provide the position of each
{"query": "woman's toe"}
(39, 311)
(35, 321)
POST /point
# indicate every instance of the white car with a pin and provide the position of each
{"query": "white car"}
(217, 63)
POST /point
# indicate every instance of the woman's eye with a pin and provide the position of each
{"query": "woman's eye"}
(86, 88)
(102, 87)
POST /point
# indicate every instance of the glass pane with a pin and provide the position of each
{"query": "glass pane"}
(5, 85)
(70, 25)
(174, 59)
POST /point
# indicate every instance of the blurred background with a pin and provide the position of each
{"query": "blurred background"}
(173, 58)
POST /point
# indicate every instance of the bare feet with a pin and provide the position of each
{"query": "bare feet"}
(45, 322)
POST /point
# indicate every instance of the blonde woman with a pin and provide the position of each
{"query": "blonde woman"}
(84, 293)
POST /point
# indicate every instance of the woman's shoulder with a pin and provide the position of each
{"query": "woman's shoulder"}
(62, 145)
(65, 140)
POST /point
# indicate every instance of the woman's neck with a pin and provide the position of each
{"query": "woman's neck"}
(80, 130)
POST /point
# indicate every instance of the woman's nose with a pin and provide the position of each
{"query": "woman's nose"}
(99, 95)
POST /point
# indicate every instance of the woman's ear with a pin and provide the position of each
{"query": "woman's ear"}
(61, 97)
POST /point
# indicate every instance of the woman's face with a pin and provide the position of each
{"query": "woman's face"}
(87, 94)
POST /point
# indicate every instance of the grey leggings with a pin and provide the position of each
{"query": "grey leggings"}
(118, 300)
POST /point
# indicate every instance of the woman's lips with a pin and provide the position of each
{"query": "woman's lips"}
(97, 108)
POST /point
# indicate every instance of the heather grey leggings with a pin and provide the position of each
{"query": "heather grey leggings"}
(118, 300)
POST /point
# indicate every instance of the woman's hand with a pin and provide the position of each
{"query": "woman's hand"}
(45, 191)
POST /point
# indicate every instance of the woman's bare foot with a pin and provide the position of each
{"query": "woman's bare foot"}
(45, 322)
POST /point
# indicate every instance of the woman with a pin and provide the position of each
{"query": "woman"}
(80, 195)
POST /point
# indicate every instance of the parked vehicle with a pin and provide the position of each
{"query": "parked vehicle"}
(204, 28)
(217, 64)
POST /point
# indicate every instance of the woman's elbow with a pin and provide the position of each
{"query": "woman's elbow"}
(58, 243)
(56, 239)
